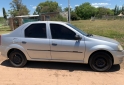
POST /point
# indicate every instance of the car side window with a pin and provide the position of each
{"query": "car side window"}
(61, 32)
(36, 31)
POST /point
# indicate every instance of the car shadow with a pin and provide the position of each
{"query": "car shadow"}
(59, 66)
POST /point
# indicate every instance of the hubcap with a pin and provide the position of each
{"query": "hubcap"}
(100, 63)
(17, 59)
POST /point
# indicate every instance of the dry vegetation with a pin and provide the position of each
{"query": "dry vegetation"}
(108, 28)
(4, 29)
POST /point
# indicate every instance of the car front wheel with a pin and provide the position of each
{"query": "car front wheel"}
(100, 62)
(17, 59)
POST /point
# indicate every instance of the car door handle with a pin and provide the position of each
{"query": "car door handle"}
(54, 44)
(23, 42)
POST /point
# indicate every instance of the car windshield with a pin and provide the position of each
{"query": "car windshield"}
(77, 29)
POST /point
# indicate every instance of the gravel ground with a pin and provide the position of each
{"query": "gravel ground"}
(49, 73)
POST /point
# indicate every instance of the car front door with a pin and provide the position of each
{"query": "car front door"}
(63, 44)
(36, 42)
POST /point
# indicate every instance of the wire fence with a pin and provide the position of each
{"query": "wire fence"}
(110, 18)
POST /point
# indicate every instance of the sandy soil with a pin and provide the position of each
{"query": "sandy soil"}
(46, 73)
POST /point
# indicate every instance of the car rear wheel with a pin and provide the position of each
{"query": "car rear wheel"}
(100, 62)
(17, 59)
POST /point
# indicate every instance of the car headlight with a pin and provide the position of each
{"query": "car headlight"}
(120, 47)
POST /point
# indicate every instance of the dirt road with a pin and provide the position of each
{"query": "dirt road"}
(46, 73)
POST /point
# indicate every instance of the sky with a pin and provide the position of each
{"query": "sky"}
(31, 4)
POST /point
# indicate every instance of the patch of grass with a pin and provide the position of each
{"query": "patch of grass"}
(108, 28)
(4, 29)
(2, 20)
(0, 25)
(4, 32)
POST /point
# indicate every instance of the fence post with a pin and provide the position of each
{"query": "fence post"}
(11, 24)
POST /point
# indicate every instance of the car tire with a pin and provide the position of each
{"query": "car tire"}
(100, 62)
(17, 59)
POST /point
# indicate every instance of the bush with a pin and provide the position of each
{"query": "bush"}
(2, 20)
(74, 16)
(58, 18)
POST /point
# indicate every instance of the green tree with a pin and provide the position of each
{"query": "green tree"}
(74, 16)
(4, 14)
(85, 11)
(122, 9)
(66, 9)
(104, 11)
(116, 10)
(34, 13)
(48, 6)
(18, 9)
(59, 8)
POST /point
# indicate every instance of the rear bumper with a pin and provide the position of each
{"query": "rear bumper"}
(118, 56)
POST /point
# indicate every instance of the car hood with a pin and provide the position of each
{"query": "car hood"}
(105, 39)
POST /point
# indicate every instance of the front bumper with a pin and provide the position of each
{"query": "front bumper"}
(118, 56)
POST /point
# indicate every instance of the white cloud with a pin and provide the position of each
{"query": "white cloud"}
(34, 7)
(60, 4)
(76, 5)
(96, 6)
(100, 4)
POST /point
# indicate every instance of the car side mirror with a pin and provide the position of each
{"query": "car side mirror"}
(77, 37)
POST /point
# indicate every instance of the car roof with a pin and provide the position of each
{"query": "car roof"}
(46, 22)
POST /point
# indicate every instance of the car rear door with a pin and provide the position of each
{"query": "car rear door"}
(36, 41)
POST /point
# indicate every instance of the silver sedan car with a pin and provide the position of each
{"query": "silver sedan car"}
(59, 42)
